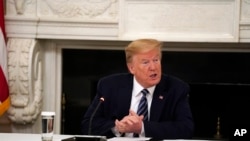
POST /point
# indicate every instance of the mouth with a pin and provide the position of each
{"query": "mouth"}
(153, 76)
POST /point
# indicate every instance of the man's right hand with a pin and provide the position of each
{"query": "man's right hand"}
(131, 123)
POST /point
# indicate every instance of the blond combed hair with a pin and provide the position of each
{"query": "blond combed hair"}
(141, 46)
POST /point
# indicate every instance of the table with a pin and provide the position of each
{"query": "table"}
(28, 137)
(56, 137)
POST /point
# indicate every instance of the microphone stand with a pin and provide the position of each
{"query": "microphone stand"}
(93, 114)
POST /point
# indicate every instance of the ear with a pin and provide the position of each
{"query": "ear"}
(130, 67)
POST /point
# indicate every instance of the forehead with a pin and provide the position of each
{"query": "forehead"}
(148, 55)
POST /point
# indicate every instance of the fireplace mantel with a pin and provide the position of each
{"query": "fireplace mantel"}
(38, 30)
(166, 20)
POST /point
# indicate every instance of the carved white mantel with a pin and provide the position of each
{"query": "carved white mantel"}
(37, 30)
(166, 20)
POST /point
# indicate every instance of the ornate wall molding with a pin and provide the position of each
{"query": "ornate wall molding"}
(87, 9)
(246, 1)
(21, 7)
(25, 80)
(166, 20)
(76, 8)
(245, 10)
(245, 21)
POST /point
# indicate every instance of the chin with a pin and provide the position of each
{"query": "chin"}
(155, 82)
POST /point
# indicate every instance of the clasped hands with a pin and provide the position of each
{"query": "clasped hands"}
(131, 123)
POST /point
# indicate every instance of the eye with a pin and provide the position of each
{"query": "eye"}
(156, 60)
(145, 62)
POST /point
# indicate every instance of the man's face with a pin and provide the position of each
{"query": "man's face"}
(146, 67)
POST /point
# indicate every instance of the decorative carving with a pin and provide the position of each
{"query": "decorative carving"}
(245, 9)
(87, 8)
(19, 6)
(247, 1)
(25, 80)
(23, 5)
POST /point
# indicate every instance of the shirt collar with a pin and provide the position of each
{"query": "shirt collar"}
(138, 87)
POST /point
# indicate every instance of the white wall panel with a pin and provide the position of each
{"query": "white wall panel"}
(181, 20)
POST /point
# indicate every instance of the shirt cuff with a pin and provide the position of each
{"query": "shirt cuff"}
(142, 134)
(116, 132)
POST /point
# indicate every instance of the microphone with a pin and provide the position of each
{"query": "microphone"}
(93, 114)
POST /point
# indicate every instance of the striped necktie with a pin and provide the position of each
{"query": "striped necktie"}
(143, 107)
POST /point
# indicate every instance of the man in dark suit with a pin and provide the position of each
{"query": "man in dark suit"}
(165, 109)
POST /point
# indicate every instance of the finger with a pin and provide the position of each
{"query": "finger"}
(117, 122)
(124, 120)
(141, 117)
(132, 113)
(133, 120)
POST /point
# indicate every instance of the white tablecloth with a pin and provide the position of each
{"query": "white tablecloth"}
(28, 137)
(37, 137)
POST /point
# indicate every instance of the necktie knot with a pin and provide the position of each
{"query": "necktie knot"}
(144, 92)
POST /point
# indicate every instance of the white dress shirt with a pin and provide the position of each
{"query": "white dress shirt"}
(135, 100)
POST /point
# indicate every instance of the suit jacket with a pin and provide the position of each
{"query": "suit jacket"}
(170, 114)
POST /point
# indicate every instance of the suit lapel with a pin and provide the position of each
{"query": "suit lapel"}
(125, 94)
(159, 98)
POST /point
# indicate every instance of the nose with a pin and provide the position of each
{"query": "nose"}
(152, 65)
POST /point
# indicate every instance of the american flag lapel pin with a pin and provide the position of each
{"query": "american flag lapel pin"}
(160, 97)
